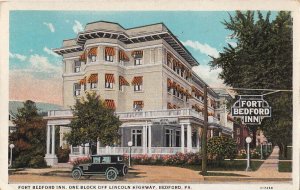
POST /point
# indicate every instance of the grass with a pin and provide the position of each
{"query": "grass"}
(285, 166)
(227, 165)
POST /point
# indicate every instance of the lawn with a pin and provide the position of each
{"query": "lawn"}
(227, 165)
(285, 166)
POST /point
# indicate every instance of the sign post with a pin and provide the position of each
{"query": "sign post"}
(204, 135)
(248, 141)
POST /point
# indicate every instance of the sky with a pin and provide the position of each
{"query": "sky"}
(35, 71)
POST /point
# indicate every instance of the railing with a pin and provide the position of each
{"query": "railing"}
(75, 150)
(60, 113)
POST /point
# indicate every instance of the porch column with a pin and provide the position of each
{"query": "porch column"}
(87, 149)
(48, 139)
(220, 133)
(144, 139)
(80, 150)
(98, 146)
(53, 140)
(198, 137)
(71, 149)
(182, 138)
(189, 137)
(149, 139)
(211, 133)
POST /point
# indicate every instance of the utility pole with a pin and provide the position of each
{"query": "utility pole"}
(204, 135)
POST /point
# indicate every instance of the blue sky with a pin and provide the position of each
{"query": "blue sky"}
(34, 33)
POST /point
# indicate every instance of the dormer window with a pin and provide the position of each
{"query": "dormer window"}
(93, 54)
(109, 54)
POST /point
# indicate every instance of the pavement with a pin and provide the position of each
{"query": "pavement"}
(162, 174)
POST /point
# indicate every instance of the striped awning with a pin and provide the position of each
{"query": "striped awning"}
(123, 56)
(82, 81)
(109, 51)
(93, 78)
(123, 81)
(169, 105)
(83, 56)
(188, 73)
(197, 108)
(109, 78)
(93, 51)
(188, 94)
(210, 114)
(110, 104)
(137, 54)
(138, 103)
(169, 83)
(137, 80)
(177, 63)
(197, 91)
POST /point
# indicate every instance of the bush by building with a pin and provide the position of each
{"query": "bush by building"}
(219, 148)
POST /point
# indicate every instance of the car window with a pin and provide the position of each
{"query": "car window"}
(105, 159)
(120, 158)
(96, 159)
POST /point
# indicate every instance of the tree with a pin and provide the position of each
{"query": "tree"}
(221, 147)
(93, 122)
(261, 59)
(29, 138)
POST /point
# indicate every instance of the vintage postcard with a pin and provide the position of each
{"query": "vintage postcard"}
(150, 95)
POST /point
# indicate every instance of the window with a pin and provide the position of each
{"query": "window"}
(92, 54)
(109, 54)
(138, 105)
(77, 65)
(93, 80)
(109, 80)
(136, 137)
(122, 82)
(137, 61)
(93, 85)
(96, 160)
(137, 83)
(76, 89)
(238, 132)
(105, 160)
(177, 139)
(169, 139)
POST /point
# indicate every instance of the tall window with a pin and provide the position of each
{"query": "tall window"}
(77, 65)
(109, 81)
(169, 139)
(138, 57)
(122, 82)
(177, 139)
(136, 137)
(137, 61)
(109, 54)
(93, 80)
(76, 89)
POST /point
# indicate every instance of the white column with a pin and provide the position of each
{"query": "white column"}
(71, 149)
(198, 137)
(80, 150)
(144, 139)
(87, 149)
(149, 139)
(189, 137)
(48, 139)
(53, 140)
(98, 146)
(211, 133)
(182, 138)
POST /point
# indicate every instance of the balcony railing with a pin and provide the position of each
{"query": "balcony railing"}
(60, 113)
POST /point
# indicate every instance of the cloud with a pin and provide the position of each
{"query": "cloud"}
(50, 26)
(50, 52)
(41, 64)
(209, 76)
(17, 56)
(77, 27)
(202, 48)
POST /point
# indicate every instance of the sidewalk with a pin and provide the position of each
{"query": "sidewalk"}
(268, 171)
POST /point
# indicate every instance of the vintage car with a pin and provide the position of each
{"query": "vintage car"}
(111, 166)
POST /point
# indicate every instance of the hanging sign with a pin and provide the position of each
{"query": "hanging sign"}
(252, 109)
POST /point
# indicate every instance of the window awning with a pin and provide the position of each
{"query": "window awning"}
(169, 83)
(169, 105)
(187, 93)
(110, 104)
(197, 108)
(83, 56)
(123, 81)
(110, 51)
(137, 80)
(123, 56)
(137, 54)
(109, 78)
(210, 114)
(197, 91)
(93, 78)
(82, 81)
(93, 51)
(138, 103)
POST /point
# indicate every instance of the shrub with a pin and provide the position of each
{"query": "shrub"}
(81, 160)
(219, 148)
(63, 155)
(37, 162)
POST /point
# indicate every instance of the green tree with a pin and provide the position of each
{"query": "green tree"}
(221, 147)
(93, 121)
(262, 58)
(29, 138)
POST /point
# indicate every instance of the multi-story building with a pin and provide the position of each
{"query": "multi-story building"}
(145, 75)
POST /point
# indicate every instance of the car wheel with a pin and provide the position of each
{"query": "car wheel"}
(124, 171)
(76, 174)
(111, 175)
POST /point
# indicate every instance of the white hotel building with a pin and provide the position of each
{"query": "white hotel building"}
(145, 74)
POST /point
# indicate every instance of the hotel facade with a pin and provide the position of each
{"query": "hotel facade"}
(145, 74)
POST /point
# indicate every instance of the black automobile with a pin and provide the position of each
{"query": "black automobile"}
(111, 166)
